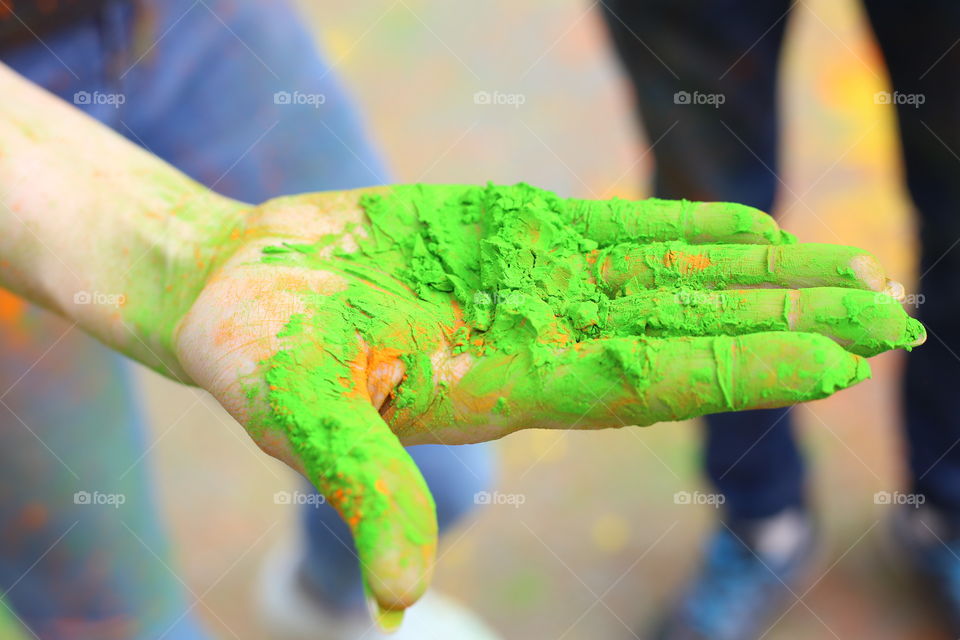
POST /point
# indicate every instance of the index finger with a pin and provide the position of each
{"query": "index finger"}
(656, 220)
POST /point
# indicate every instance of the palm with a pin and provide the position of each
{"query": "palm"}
(453, 314)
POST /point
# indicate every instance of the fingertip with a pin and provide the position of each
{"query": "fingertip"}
(861, 372)
(787, 368)
(831, 366)
(398, 543)
(863, 322)
(730, 222)
(909, 331)
(380, 493)
(386, 620)
(396, 575)
(914, 334)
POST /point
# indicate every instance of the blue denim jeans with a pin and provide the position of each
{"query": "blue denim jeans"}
(235, 94)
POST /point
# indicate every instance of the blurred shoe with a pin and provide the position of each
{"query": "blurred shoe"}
(928, 539)
(290, 611)
(745, 580)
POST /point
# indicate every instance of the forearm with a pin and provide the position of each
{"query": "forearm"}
(99, 230)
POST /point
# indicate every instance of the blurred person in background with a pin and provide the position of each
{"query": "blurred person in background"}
(705, 81)
(200, 85)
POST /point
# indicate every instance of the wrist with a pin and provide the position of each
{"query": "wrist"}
(160, 284)
(99, 230)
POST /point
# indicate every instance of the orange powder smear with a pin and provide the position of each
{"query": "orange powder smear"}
(12, 310)
(686, 263)
(12, 307)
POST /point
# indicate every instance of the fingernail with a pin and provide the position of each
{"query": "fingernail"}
(869, 272)
(895, 290)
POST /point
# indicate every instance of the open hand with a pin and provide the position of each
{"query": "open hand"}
(348, 324)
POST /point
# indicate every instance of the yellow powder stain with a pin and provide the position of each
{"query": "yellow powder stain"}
(461, 555)
(610, 533)
(550, 446)
(338, 43)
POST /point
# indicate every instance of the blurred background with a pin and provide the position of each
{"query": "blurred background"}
(599, 542)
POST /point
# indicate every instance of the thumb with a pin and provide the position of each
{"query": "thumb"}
(355, 460)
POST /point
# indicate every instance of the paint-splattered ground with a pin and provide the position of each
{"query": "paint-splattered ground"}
(598, 544)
